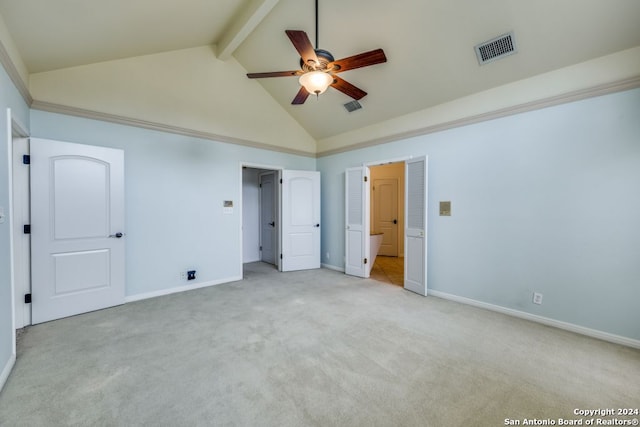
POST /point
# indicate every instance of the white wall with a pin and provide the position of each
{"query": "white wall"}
(542, 201)
(174, 192)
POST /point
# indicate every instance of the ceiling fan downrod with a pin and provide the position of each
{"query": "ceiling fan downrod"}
(317, 44)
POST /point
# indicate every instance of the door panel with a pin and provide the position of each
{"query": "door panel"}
(79, 206)
(300, 195)
(357, 240)
(415, 270)
(77, 201)
(92, 274)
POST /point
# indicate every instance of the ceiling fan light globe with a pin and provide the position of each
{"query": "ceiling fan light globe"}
(316, 81)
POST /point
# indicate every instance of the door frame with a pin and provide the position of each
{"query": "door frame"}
(16, 130)
(276, 219)
(278, 175)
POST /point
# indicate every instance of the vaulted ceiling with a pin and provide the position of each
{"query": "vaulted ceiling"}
(429, 43)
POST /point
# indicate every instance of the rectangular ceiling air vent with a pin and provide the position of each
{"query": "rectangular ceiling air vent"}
(352, 106)
(496, 48)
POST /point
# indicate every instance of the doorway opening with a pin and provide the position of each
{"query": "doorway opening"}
(280, 217)
(260, 216)
(360, 252)
(387, 189)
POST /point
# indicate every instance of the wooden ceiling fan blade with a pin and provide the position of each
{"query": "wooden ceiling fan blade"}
(358, 61)
(303, 45)
(301, 97)
(273, 74)
(347, 88)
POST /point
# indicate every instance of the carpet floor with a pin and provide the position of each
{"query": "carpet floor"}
(313, 348)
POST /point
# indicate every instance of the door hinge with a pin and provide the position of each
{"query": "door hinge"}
(26, 228)
(366, 178)
(280, 256)
(280, 180)
(27, 298)
(26, 159)
(260, 247)
(366, 260)
(260, 185)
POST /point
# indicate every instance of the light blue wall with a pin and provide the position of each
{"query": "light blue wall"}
(9, 98)
(174, 190)
(545, 201)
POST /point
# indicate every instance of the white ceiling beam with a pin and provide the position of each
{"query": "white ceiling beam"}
(244, 25)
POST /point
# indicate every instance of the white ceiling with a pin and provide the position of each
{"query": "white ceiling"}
(428, 43)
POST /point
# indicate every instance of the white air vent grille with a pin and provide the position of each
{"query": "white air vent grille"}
(352, 106)
(497, 48)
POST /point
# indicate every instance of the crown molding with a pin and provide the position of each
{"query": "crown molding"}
(577, 95)
(14, 75)
(144, 124)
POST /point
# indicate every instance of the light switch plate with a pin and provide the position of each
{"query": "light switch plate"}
(445, 208)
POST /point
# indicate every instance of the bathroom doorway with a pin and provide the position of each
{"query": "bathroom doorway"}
(387, 189)
(361, 247)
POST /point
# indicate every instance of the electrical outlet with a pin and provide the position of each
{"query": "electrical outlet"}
(537, 298)
(183, 275)
(191, 275)
(328, 256)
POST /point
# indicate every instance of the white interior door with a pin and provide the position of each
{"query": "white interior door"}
(385, 214)
(77, 225)
(268, 218)
(357, 241)
(300, 196)
(415, 265)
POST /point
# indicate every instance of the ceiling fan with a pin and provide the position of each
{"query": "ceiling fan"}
(318, 68)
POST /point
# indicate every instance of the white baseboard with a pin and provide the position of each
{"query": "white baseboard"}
(7, 370)
(139, 297)
(605, 336)
(332, 267)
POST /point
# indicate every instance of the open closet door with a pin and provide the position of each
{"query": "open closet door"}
(415, 266)
(300, 195)
(357, 221)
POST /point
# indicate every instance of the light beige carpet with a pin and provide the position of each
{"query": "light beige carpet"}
(314, 348)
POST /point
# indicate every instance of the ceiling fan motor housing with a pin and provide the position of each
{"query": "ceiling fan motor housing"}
(324, 57)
